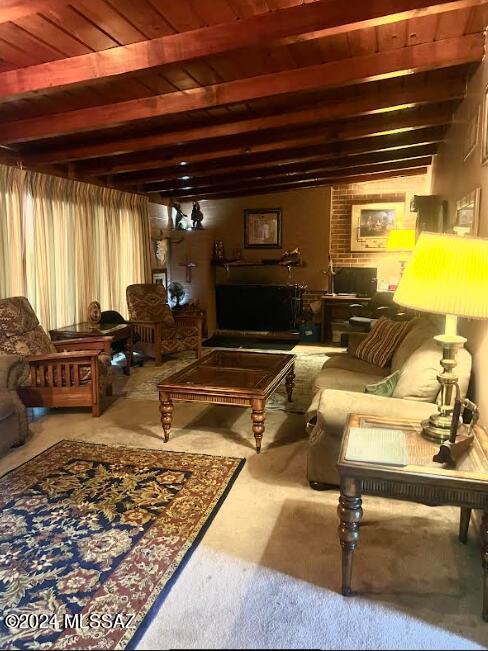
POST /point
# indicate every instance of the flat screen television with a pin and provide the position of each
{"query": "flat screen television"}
(361, 281)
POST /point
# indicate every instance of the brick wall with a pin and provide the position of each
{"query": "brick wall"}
(345, 196)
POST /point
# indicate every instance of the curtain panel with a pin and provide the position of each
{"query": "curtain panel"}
(66, 243)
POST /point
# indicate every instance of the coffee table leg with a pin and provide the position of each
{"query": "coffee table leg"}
(464, 524)
(258, 418)
(484, 562)
(350, 514)
(290, 383)
(166, 409)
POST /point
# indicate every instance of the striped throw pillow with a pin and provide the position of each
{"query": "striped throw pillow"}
(382, 341)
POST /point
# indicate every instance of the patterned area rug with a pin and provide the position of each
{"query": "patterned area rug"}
(91, 537)
(307, 366)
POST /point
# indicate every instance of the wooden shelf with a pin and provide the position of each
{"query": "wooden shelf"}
(243, 263)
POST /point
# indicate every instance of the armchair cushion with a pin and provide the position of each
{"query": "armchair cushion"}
(20, 332)
(148, 302)
(13, 372)
(178, 332)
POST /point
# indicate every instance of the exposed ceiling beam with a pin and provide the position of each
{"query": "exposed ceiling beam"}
(303, 177)
(310, 154)
(289, 25)
(247, 191)
(372, 125)
(369, 103)
(297, 170)
(354, 70)
(14, 9)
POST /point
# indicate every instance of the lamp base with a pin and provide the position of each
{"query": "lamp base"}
(437, 428)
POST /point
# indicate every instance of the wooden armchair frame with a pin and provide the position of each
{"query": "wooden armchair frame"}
(150, 333)
(56, 378)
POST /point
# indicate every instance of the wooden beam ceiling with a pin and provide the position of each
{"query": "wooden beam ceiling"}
(368, 103)
(14, 9)
(370, 125)
(421, 155)
(293, 24)
(243, 190)
(355, 70)
(329, 175)
(308, 156)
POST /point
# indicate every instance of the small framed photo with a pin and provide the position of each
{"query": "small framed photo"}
(371, 223)
(262, 229)
(468, 213)
(472, 133)
(160, 278)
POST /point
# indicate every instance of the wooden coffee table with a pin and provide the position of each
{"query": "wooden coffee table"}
(241, 379)
(422, 480)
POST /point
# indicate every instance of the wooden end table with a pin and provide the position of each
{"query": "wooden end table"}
(422, 481)
(118, 331)
(241, 379)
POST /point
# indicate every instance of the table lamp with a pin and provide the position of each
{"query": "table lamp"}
(446, 275)
(401, 239)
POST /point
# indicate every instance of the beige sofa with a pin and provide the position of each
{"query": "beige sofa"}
(13, 417)
(340, 385)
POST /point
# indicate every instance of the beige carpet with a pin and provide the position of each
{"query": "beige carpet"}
(267, 572)
(309, 362)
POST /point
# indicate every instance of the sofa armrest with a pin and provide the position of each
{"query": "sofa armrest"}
(332, 408)
(12, 370)
(354, 339)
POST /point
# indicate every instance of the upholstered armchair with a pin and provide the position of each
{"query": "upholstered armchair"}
(160, 330)
(13, 417)
(73, 373)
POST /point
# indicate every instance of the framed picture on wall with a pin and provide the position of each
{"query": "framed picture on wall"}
(468, 213)
(160, 277)
(472, 133)
(262, 229)
(371, 223)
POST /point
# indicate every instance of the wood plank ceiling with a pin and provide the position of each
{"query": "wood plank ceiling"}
(212, 98)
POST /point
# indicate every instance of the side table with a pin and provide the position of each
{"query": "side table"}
(422, 481)
(120, 332)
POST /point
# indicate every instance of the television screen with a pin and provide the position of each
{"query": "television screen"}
(360, 281)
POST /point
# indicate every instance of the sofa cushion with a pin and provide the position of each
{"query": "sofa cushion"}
(7, 407)
(418, 377)
(384, 387)
(349, 363)
(342, 379)
(421, 330)
(380, 344)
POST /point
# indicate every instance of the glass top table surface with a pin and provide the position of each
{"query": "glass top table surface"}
(88, 328)
(419, 450)
(231, 369)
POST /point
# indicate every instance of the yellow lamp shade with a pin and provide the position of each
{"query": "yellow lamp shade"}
(401, 239)
(446, 274)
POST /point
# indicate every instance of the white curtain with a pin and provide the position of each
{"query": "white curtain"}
(64, 244)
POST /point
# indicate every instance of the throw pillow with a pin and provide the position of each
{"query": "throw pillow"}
(381, 342)
(385, 387)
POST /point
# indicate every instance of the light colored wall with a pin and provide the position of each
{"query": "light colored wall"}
(453, 177)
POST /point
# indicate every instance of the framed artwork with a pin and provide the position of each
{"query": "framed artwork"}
(159, 252)
(160, 278)
(468, 213)
(472, 133)
(371, 223)
(262, 229)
